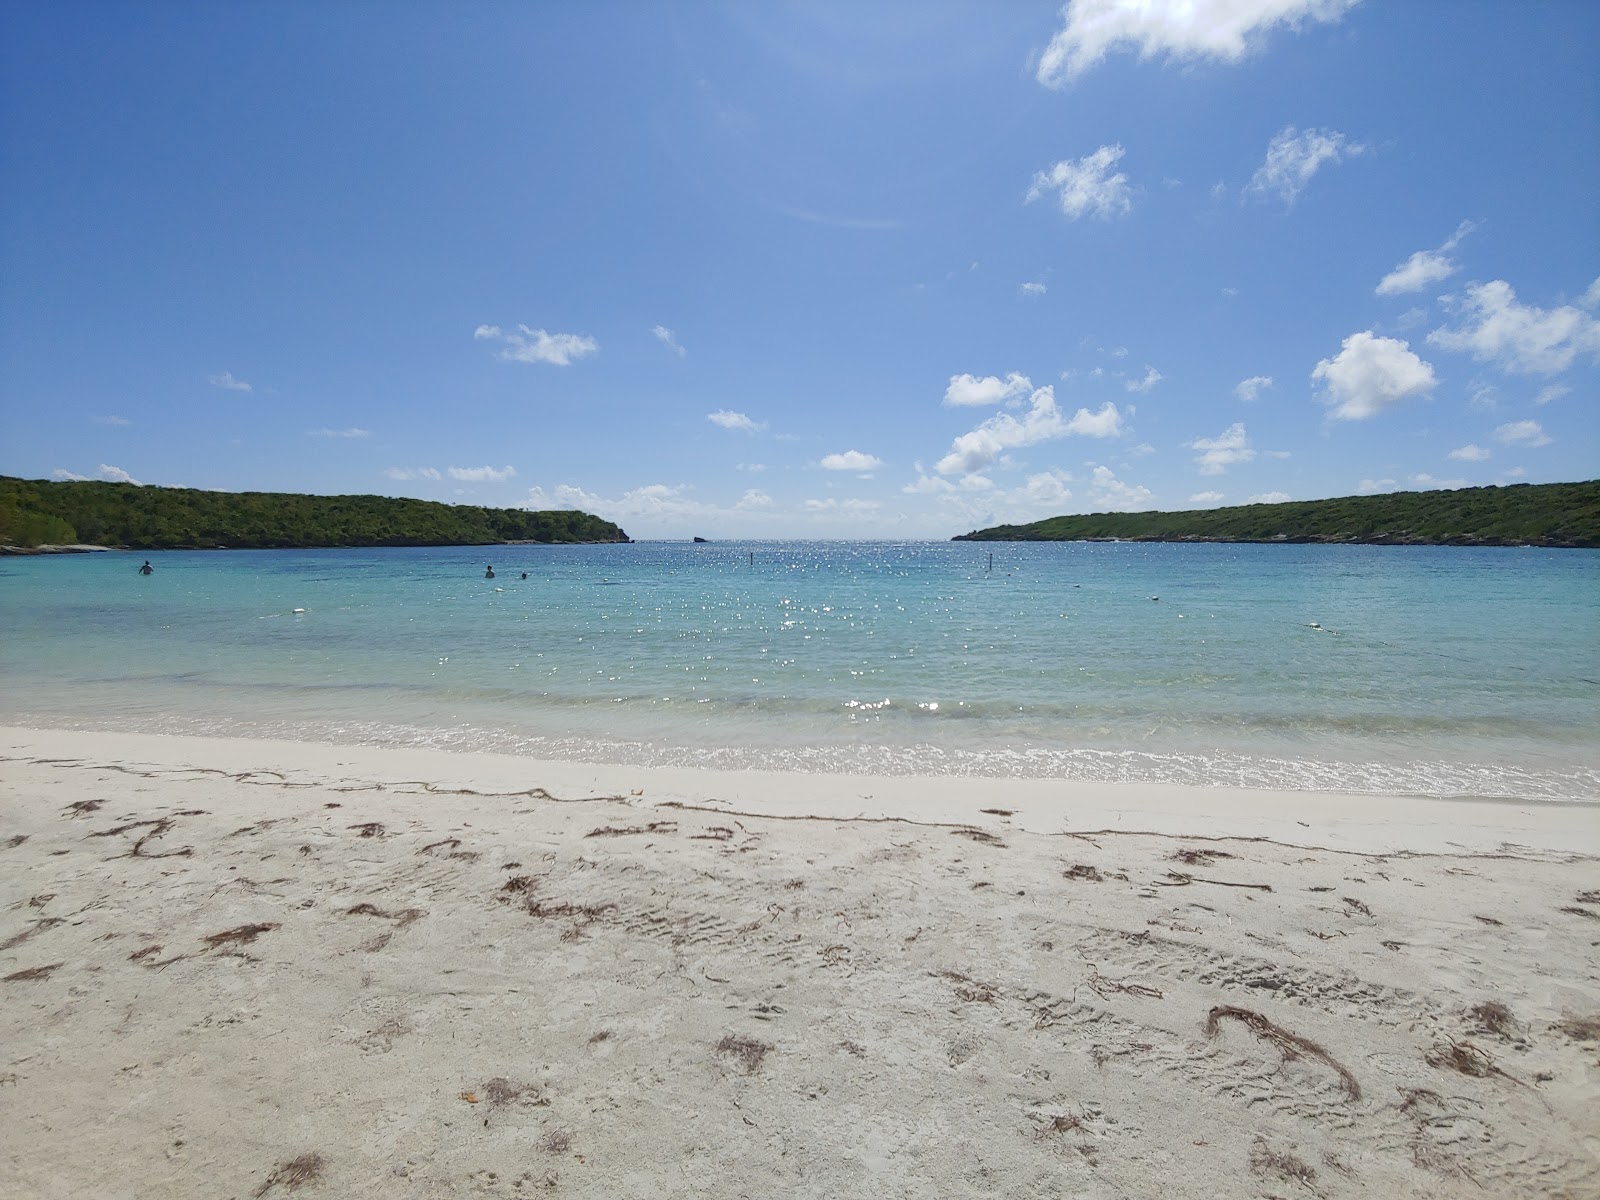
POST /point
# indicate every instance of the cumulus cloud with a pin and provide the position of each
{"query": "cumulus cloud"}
(1294, 157)
(1370, 487)
(754, 498)
(1554, 392)
(110, 420)
(339, 433)
(1149, 380)
(1430, 483)
(67, 476)
(481, 474)
(851, 460)
(1042, 422)
(969, 390)
(1176, 30)
(1250, 389)
(1085, 187)
(1032, 288)
(735, 420)
(1270, 498)
(1468, 453)
(1519, 337)
(537, 346)
(668, 339)
(408, 473)
(1217, 454)
(116, 474)
(1370, 374)
(226, 380)
(1426, 267)
(1205, 498)
(752, 468)
(1110, 494)
(1515, 433)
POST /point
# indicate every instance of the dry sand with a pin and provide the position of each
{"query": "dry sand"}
(236, 969)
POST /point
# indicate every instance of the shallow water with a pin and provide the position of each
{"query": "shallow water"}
(1422, 670)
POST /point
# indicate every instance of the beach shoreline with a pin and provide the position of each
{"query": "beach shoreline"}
(238, 967)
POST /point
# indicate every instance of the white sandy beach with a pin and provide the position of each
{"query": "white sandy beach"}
(249, 968)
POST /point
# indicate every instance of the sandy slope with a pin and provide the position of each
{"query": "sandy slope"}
(363, 976)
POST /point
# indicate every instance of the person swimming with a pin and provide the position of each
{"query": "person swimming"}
(488, 572)
(147, 569)
(524, 574)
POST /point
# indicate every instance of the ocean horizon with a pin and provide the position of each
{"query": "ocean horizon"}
(1392, 670)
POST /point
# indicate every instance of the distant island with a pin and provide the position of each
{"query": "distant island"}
(1565, 515)
(35, 513)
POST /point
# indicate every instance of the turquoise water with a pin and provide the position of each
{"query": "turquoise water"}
(1434, 671)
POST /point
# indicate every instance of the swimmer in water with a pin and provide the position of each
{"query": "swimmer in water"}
(524, 574)
(147, 569)
(488, 572)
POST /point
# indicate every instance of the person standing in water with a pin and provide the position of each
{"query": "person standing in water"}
(147, 569)
(488, 571)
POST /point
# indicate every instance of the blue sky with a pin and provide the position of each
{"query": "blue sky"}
(886, 270)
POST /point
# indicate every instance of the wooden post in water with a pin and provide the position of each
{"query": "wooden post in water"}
(991, 560)
(752, 560)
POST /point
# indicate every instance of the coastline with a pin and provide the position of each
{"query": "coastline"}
(237, 967)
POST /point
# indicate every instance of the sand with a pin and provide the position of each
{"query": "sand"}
(237, 968)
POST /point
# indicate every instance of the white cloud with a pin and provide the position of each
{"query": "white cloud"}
(1293, 158)
(1516, 472)
(1110, 494)
(668, 339)
(1205, 498)
(1221, 30)
(1426, 267)
(1151, 378)
(851, 460)
(1217, 454)
(481, 474)
(1369, 374)
(754, 498)
(1554, 392)
(1368, 487)
(1277, 454)
(1270, 498)
(108, 420)
(226, 380)
(752, 468)
(1519, 337)
(116, 474)
(1430, 483)
(1043, 422)
(68, 476)
(1048, 487)
(1515, 433)
(1084, 187)
(406, 473)
(735, 421)
(1250, 389)
(536, 346)
(969, 390)
(929, 485)
(1468, 453)
(339, 433)
(1032, 289)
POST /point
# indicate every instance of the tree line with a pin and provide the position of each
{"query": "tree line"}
(40, 512)
(1524, 514)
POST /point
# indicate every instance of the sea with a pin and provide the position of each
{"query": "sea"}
(1431, 671)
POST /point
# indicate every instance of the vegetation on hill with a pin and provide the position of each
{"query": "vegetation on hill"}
(1542, 514)
(37, 512)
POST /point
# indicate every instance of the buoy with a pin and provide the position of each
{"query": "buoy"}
(298, 610)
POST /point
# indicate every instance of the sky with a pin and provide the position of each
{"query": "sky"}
(888, 270)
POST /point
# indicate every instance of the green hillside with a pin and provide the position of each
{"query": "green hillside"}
(36, 512)
(1541, 514)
